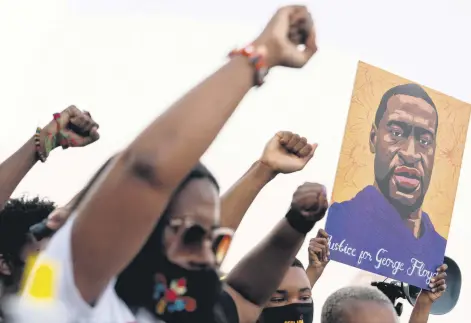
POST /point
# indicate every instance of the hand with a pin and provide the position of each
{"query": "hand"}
(58, 218)
(310, 200)
(83, 132)
(438, 285)
(289, 27)
(287, 152)
(319, 250)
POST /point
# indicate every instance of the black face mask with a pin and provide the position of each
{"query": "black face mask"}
(293, 313)
(180, 295)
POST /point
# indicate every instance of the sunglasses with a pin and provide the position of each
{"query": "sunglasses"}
(192, 234)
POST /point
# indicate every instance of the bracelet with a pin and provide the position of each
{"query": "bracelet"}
(256, 59)
(298, 222)
(37, 142)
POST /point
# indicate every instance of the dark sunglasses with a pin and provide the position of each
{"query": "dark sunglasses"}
(192, 233)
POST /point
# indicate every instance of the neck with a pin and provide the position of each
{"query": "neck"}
(413, 220)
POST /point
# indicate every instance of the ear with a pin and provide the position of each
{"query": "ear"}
(5, 269)
(373, 138)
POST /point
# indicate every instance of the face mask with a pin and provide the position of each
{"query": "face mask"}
(181, 295)
(293, 313)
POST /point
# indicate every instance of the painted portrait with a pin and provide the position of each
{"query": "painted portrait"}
(397, 177)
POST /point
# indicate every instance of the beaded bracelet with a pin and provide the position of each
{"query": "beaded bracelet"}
(37, 143)
(37, 140)
(256, 59)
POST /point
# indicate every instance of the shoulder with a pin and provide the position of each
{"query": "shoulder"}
(238, 309)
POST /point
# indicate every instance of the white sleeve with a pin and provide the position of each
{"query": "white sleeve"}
(52, 279)
(52, 274)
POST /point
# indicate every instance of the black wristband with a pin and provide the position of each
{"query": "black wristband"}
(299, 222)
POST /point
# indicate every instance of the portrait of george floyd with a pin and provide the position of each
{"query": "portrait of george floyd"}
(397, 177)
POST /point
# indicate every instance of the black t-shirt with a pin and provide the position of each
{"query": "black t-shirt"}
(228, 309)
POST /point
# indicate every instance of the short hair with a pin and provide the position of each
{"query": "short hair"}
(410, 89)
(16, 218)
(333, 312)
(297, 263)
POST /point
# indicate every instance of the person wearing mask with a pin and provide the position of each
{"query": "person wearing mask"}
(292, 301)
(155, 176)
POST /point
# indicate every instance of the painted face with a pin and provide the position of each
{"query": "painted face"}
(404, 145)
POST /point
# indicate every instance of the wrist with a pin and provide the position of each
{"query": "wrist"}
(424, 300)
(263, 171)
(47, 142)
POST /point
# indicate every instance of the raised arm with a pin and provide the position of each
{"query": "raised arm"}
(120, 210)
(426, 298)
(15, 167)
(284, 153)
(260, 272)
(318, 256)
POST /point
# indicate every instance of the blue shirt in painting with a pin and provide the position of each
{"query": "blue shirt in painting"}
(368, 233)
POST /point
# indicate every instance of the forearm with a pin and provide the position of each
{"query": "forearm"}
(261, 271)
(237, 200)
(15, 168)
(314, 274)
(175, 141)
(421, 310)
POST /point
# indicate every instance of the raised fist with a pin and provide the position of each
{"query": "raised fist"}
(71, 128)
(290, 27)
(287, 152)
(319, 250)
(310, 200)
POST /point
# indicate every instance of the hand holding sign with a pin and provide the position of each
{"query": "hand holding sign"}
(437, 284)
(319, 250)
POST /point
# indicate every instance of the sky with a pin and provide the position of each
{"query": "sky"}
(126, 61)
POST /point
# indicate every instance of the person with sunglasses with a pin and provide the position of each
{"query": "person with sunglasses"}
(110, 228)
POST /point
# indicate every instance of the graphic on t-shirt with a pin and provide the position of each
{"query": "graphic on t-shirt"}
(43, 279)
(172, 296)
(397, 177)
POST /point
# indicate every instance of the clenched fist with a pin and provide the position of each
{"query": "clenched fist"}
(310, 200)
(71, 128)
(290, 27)
(287, 152)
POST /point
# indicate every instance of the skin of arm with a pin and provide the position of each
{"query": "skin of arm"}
(237, 200)
(135, 188)
(259, 273)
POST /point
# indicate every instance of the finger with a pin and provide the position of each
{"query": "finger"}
(67, 115)
(322, 234)
(300, 145)
(442, 268)
(295, 138)
(440, 276)
(311, 46)
(308, 151)
(325, 248)
(94, 135)
(79, 121)
(284, 137)
(438, 283)
(439, 289)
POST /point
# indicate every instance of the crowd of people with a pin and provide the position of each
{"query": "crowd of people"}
(144, 240)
